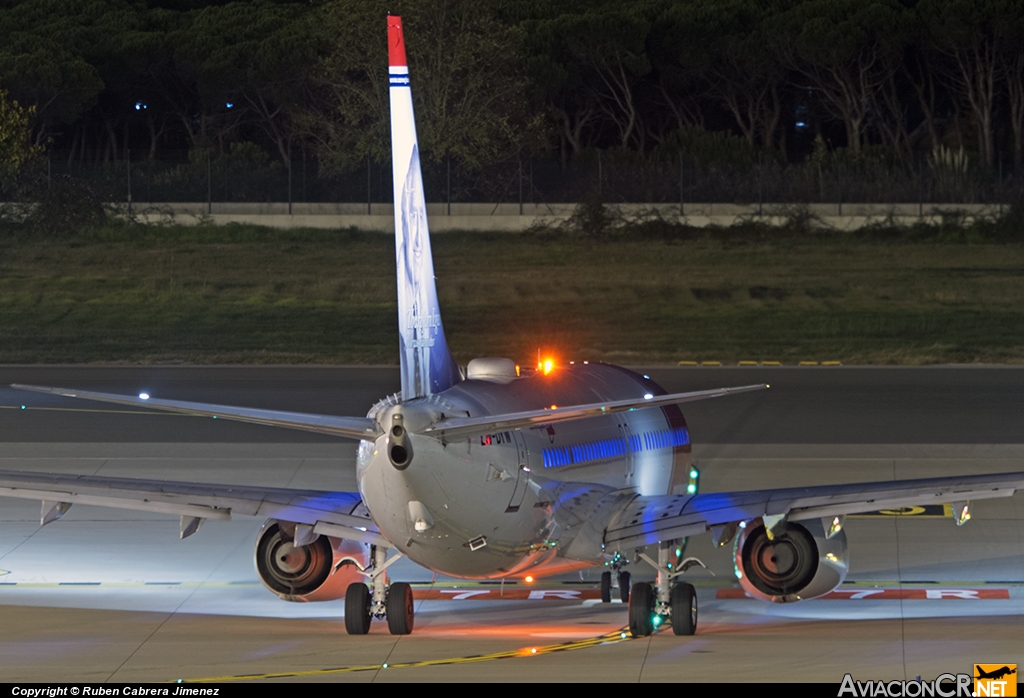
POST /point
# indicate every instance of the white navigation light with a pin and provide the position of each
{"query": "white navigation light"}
(648, 396)
(143, 396)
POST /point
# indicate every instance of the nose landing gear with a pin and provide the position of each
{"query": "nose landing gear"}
(650, 605)
(381, 600)
(647, 612)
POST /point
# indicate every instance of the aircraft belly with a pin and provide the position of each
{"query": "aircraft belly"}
(477, 514)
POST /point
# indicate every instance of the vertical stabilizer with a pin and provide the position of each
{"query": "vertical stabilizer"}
(427, 364)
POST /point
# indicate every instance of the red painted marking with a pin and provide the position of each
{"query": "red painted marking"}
(396, 42)
(513, 594)
(890, 594)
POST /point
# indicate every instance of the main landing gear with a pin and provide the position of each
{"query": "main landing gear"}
(618, 582)
(380, 600)
(650, 605)
(615, 580)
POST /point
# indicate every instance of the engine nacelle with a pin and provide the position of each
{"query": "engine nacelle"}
(799, 564)
(320, 571)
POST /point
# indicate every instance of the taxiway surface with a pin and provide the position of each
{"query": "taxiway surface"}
(113, 596)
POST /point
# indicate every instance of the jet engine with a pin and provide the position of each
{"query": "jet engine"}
(800, 562)
(319, 571)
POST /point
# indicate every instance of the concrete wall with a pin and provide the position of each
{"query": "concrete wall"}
(509, 217)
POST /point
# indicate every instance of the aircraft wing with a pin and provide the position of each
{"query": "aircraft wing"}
(339, 514)
(463, 427)
(345, 427)
(648, 520)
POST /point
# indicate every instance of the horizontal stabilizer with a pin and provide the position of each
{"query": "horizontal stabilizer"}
(345, 427)
(465, 427)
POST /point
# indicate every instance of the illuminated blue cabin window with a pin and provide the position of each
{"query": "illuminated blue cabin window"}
(613, 448)
(681, 437)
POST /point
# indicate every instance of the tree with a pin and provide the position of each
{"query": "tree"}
(593, 60)
(973, 36)
(15, 146)
(726, 44)
(256, 57)
(847, 50)
(1013, 71)
(468, 89)
(50, 52)
(557, 83)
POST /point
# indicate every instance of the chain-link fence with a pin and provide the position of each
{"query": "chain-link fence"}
(533, 181)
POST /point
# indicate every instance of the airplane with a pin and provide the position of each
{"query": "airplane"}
(493, 471)
(995, 674)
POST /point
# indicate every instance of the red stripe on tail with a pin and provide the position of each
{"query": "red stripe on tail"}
(396, 42)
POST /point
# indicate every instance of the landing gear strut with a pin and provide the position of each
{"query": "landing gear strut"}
(381, 600)
(650, 604)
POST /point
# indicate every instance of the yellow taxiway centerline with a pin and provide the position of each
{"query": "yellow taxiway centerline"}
(608, 638)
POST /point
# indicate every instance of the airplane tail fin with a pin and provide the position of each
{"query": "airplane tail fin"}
(426, 363)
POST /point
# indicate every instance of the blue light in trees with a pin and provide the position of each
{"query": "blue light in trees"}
(139, 106)
(801, 124)
(229, 105)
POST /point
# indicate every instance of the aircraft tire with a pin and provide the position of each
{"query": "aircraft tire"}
(357, 609)
(399, 608)
(624, 581)
(606, 587)
(641, 610)
(684, 609)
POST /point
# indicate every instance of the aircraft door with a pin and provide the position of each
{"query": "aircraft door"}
(625, 433)
(522, 473)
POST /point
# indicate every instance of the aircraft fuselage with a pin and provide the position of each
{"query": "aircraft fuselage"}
(509, 503)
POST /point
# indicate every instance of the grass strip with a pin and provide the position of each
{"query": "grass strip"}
(243, 294)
